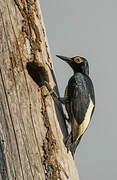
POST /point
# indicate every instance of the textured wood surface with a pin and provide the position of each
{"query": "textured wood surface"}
(32, 128)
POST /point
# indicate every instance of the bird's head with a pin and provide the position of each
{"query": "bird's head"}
(77, 63)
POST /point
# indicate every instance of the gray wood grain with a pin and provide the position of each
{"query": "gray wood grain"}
(32, 127)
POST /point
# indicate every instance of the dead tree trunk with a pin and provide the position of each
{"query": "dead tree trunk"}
(32, 128)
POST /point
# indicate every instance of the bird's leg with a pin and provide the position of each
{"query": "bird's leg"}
(51, 91)
(62, 100)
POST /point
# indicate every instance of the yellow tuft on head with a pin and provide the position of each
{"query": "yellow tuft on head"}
(78, 60)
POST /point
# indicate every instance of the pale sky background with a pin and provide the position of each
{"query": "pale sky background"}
(89, 28)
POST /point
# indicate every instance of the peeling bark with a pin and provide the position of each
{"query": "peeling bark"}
(32, 128)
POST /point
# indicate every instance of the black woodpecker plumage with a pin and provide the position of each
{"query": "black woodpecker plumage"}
(80, 100)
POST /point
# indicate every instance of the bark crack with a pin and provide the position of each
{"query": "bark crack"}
(29, 26)
(52, 167)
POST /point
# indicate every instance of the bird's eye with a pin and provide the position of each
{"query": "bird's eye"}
(78, 60)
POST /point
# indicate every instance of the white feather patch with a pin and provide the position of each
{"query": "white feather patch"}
(87, 118)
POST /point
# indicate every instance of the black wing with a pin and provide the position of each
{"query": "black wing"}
(80, 90)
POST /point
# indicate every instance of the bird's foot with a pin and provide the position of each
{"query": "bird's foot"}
(62, 100)
(51, 91)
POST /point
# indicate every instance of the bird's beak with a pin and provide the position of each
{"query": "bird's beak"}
(66, 59)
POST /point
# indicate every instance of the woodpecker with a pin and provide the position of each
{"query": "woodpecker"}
(79, 100)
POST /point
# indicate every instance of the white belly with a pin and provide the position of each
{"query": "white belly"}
(86, 121)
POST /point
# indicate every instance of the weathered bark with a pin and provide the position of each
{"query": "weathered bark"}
(32, 128)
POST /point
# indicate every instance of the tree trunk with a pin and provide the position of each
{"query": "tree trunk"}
(32, 128)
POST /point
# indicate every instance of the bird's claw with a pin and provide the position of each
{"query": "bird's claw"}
(51, 91)
(48, 94)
